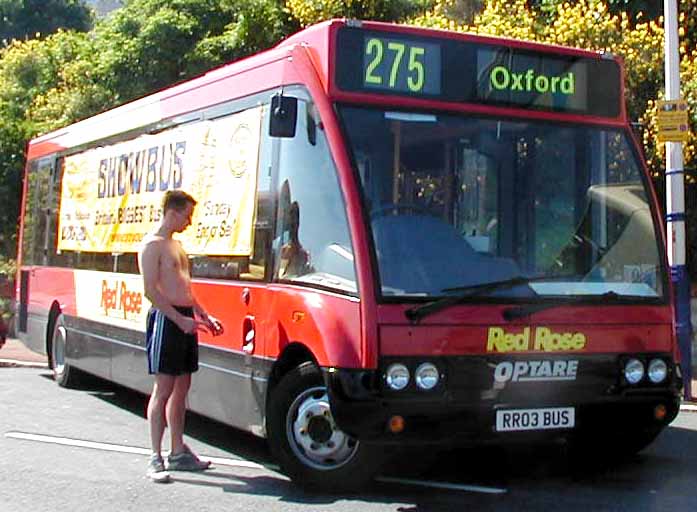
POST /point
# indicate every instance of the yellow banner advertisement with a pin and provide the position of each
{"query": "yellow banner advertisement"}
(111, 196)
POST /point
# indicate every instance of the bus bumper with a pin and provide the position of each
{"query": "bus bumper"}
(361, 410)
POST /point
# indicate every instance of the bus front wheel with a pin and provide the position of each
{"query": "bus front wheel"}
(307, 443)
(64, 375)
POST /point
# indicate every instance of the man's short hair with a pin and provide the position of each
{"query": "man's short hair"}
(176, 200)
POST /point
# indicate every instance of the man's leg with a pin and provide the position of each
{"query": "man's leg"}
(161, 393)
(176, 411)
(181, 458)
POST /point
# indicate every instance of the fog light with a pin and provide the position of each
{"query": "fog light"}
(660, 412)
(426, 376)
(658, 371)
(634, 371)
(397, 376)
(396, 424)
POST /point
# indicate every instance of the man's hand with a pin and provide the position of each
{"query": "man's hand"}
(213, 325)
(190, 325)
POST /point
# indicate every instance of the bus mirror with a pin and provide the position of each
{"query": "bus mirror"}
(284, 114)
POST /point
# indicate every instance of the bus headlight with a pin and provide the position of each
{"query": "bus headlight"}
(426, 376)
(397, 376)
(634, 371)
(658, 371)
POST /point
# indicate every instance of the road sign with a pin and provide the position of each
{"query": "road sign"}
(673, 125)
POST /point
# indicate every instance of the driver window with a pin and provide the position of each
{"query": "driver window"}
(311, 238)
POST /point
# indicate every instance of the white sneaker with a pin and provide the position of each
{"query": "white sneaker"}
(156, 470)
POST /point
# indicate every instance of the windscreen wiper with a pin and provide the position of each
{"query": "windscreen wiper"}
(526, 310)
(461, 293)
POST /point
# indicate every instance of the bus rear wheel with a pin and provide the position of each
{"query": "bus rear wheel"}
(306, 441)
(64, 375)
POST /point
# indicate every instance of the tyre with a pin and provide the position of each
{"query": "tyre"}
(64, 375)
(306, 442)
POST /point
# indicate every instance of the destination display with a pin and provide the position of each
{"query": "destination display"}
(469, 72)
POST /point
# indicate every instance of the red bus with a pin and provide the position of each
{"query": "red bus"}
(411, 236)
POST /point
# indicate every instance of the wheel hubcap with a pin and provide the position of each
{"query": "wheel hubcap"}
(59, 350)
(313, 435)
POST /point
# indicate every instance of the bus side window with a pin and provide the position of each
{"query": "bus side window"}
(311, 239)
(57, 258)
(263, 219)
(31, 218)
(126, 263)
(251, 267)
(36, 214)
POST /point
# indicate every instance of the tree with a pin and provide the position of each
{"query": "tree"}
(151, 44)
(104, 7)
(27, 70)
(637, 9)
(309, 12)
(27, 19)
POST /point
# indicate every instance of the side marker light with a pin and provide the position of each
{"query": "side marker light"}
(660, 412)
(396, 424)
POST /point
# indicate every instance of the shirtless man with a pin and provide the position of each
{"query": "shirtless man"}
(171, 336)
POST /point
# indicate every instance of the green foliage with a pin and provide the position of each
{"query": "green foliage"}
(28, 19)
(142, 45)
(242, 36)
(8, 267)
(12, 140)
(151, 44)
(28, 70)
(8, 270)
(309, 12)
(104, 7)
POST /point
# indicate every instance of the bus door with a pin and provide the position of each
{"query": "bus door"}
(233, 287)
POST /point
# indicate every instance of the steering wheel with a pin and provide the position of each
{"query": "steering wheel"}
(396, 207)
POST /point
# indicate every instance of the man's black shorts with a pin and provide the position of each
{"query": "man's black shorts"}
(170, 350)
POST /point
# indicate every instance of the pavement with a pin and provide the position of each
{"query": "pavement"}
(14, 353)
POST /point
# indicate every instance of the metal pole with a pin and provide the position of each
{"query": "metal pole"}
(675, 201)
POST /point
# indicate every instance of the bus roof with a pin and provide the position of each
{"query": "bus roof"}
(265, 71)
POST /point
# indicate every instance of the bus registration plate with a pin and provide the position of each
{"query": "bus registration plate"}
(535, 419)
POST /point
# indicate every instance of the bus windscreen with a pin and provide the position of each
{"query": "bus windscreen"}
(467, 72)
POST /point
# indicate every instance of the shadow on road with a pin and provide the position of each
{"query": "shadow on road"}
(236, 442)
